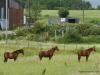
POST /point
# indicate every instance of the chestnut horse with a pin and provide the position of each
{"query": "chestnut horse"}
(85, 53)
(13, 55)
(48, 53)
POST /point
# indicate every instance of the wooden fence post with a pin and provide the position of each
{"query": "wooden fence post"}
(55, 35)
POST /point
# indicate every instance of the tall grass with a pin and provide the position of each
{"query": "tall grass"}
(64, 62)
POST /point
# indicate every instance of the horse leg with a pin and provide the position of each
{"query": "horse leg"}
(79, 57)
(15, 59)
(50, 58)
(87, 58)
(5, 60)
(40, 57)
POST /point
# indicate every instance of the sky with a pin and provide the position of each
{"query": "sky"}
(94, 3)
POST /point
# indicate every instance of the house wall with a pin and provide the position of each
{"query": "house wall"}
(15, 17)
(3, 5)
(15, 13)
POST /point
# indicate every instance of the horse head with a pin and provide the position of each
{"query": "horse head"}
(21, 51)
(94, 49)
(56, 48)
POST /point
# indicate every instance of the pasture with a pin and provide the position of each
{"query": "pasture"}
(64, 62)
(89, 14)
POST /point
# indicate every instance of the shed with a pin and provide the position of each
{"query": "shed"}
(15, 14)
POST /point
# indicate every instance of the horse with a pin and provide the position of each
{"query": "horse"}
(85, 53)
(12, 55)
(49, 53)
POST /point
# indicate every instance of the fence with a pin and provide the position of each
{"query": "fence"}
(17, 44)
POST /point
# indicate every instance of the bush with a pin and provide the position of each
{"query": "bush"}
(2, 36)
(83, 29)
(39, 27)
(96, 21)
(11, 37)
(91, 39)
(21, 31)
(71, 36)
(95, 30)
(34, 37)
(63, 13)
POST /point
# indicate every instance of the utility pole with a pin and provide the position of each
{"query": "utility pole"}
(83, 9)
(29, 13)
(6, 34)
(60, 3)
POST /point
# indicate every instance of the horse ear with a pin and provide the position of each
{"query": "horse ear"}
(55, 46)
(94, 47)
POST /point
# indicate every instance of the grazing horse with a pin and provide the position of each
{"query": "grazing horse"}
(48, 53)
(13, 55)
(85, 53)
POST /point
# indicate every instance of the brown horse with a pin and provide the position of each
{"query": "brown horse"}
(48, 53)
(85, 53)
(13, 55)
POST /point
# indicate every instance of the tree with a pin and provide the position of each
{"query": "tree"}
(23, 3)
(98, 7)
(63, 12)
(56, 4)
(36, 10)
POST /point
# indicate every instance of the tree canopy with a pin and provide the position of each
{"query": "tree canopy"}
(55, 4)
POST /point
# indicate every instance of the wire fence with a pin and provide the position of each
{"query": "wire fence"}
(17, 44)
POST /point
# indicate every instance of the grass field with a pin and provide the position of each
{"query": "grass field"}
(63, 62)
(89, 14)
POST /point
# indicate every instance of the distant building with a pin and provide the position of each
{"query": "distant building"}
(15, 14)
(62, 20)
(73, 20)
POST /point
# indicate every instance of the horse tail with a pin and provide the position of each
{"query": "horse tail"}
(5, 57)
(5, 54)
(40, 55)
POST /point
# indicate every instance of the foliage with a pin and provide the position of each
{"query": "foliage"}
(82, 29)
(39, 27)
(71, 36)
(34, 37)
(21, 31)
(98, 7)
(91, 39)
(63, 12)
(2, 37)
(36, 10)
(95, 21)
(94, 30)
(56, 4)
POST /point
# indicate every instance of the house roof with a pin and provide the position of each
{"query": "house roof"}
(14, 4)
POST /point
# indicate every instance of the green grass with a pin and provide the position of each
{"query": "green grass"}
(59, 65)
(63, 62)
(89, 14)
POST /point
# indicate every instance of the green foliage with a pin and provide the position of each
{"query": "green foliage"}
(63, 12)
(71, 36)
(91, 39)
(96, 21)
(98, 7)
(88, 29)
(36, 10)
(94, 30)
(82, 28)
(39, 27)
(55, 4)
(34, 37)
(21, 31)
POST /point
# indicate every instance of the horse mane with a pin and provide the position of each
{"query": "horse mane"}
(53, 48)
(90, 49)
(17, 51)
